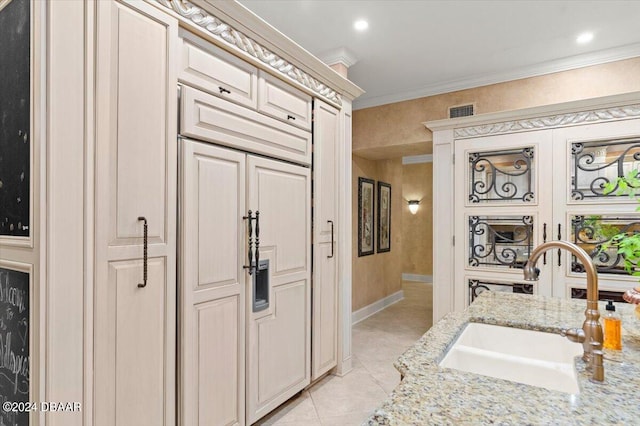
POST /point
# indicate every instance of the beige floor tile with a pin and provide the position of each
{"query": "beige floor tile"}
(351, 419)
(358, 391)
(299, 411)
(377, 341)
(385, 374)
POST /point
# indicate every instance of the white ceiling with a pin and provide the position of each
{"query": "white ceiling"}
(419, 48)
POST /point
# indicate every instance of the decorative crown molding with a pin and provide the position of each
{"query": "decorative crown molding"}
(568, 119)
(238, 40)
(341, 55)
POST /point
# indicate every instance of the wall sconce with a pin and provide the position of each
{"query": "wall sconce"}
(414, 205)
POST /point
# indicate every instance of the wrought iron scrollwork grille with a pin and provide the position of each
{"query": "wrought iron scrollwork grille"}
(581, 293)
(597, 163)
(591, 232)
(476, 287)
(501, 175)
(500, 241)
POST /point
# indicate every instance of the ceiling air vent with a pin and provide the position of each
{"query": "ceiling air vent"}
(461, 111)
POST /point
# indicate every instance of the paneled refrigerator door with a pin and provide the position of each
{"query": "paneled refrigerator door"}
(278, 303)
(212, 286)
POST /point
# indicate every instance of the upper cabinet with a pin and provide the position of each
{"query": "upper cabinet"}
(213, 70)
(282, 101)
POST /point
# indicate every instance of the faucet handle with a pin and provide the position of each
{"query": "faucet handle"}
(597, 364)
(574, 334)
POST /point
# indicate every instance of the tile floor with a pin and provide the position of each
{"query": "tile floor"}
(377, 342)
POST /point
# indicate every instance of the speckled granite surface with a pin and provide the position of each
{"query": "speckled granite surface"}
(433, 395)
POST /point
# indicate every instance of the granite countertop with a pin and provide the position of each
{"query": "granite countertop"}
(430, 394)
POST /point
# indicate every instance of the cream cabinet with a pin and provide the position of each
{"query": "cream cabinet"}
(216, 120)
(535, 176)
(135, 219)
(325, 228)
(180, 118)
(284, 102)
(213, 70)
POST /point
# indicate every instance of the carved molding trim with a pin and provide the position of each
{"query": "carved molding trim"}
(231, 36)
(568, 119)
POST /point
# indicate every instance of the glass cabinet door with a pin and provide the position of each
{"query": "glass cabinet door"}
(594, 155)
(502, 205)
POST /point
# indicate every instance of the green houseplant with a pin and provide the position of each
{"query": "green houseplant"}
(627, 243)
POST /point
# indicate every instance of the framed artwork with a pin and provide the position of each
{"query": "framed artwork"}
(384, 217)
(365, 216)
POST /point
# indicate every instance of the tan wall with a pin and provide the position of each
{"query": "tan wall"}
(380, 274)
(417, 230)
(401, 123)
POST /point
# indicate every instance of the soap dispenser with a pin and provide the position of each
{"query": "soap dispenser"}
(612, 328)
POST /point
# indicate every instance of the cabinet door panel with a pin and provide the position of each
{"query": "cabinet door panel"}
(325, 309)
(210, 68)
(282, 101)
(135, 176)
(219, 362)
(281, 352)
(503, 205)
(593, 155)
(139, 396)
(279, 340)
(325, 140)
(210, 118)
(139, 137)
(212, 285)
(325, 278)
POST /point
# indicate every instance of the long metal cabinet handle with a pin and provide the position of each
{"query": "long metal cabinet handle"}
(559, 251)
(145, 253)
(332, 242)
(257, 239)
(544, 240)
(250, 218)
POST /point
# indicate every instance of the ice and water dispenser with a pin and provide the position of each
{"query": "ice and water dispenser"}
(261, 286)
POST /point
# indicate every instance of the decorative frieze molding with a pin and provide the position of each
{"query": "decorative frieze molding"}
(232, 37)
(560, 120)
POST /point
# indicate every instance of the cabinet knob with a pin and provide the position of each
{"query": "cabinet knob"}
(223, 90)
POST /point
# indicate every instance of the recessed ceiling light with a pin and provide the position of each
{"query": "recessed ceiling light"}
(584, 38)
(361, 25)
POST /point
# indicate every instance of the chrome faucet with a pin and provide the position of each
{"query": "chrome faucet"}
(591, 334)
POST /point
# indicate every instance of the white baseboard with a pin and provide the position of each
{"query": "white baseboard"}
(417, 278)
(375, 307)
(344, 367)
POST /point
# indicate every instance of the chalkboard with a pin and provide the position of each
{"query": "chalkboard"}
(15, 107)
(14, 344)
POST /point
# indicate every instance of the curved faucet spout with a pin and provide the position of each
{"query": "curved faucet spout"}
(531, 273)
(591, 326)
